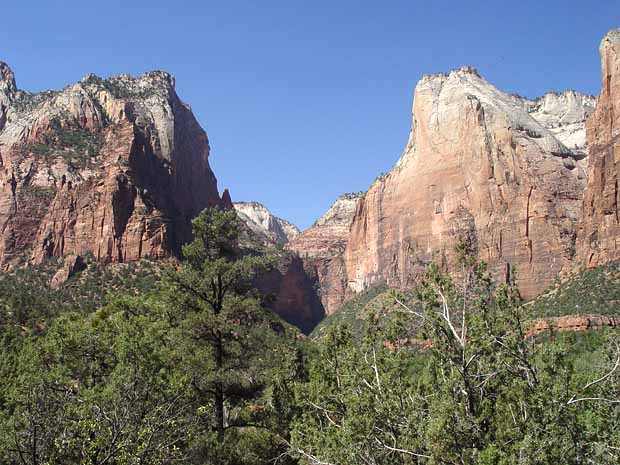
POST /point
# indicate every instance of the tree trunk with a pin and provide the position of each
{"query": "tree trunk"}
(219, 391)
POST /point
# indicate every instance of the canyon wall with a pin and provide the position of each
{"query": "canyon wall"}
(116, 168)
(599, 232)
(478, 167)
(322, 249)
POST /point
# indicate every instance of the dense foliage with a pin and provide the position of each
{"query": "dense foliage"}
(191, 370)
(182, 364)
(595, 290)
(467, 387)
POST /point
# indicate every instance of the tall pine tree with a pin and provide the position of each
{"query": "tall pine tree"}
(229, 347)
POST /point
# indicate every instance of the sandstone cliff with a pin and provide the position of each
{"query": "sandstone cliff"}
(291, 293)
(322, 249)
(265, 226)
(478, 166)
(114, 167)
(599, 232)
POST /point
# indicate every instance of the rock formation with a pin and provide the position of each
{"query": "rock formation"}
(322, 249)
(267, 228)
(118, 167)
(477, 167)
(599, 232)
(71, 266)
(574, 323)
(291, 293)
(113, 167)
(564, 115)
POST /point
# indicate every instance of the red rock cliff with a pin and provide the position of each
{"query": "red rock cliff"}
(322, 249)
(114, 167)
(599, 232)
(477, 166)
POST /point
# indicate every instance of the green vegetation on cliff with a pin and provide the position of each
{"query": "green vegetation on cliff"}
(351, 313)
(71, 143)
(594, 291)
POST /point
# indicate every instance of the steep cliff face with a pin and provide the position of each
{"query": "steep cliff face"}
(599, 232)
(291, 293)
(477, 167)
(265, 226)
(114, 167)
(322, 249)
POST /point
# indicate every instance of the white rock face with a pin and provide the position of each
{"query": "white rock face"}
(565, 115)
(341, 212)
(445, 90)
(266, 226)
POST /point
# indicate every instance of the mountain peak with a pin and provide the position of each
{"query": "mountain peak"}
(612, 38)
(264, 224)
(468, 70)
(448, 97)
(7, 78)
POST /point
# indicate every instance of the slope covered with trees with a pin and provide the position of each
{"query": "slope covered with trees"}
(184, 364)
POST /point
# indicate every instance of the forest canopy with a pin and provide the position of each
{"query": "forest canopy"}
(185, 364)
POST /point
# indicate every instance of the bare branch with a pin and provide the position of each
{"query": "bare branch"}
(402, 451)
(597, 381)
(408, 309)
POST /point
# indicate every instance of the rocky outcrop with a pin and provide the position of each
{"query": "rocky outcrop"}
(112, 167)
(599, 232)
(263, 225)
(575, 323)
(71, 266)
(563, 324)
(479, 168)
(564, 115)
(322, 248)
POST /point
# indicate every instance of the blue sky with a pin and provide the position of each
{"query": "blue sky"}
(305, 100)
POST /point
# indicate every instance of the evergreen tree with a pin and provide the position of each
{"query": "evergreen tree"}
(230, 349)
(96, 389)
(447, 375)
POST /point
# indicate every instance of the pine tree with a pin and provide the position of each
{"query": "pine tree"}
(230, 348)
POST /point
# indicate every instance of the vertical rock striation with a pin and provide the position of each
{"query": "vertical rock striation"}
(115, 167)
(478, 167)
(322, 249)
(599, 232)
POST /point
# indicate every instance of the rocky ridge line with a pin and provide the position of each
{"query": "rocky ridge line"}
(266, 227)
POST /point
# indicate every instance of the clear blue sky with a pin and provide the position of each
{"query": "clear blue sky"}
(305, 100)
